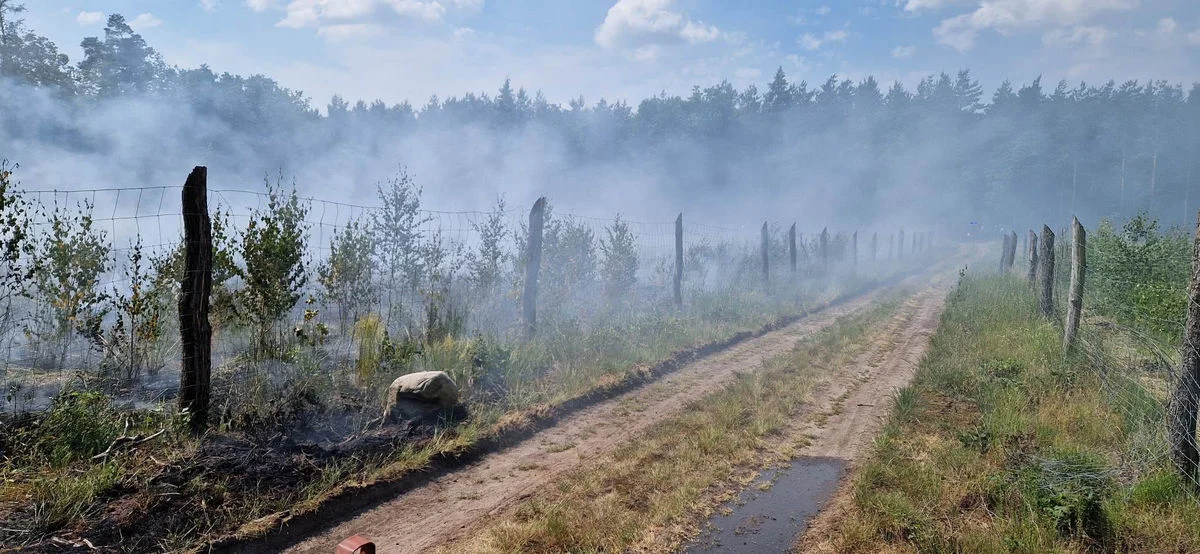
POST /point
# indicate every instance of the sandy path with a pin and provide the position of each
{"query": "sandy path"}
(452, 506)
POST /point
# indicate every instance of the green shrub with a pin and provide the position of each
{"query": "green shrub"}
(79, 425)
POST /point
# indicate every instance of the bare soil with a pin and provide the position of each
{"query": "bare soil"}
(452, 506)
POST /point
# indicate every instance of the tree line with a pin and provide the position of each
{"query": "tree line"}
(1099, 150)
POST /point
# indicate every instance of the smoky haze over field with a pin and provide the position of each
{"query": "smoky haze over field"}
(843, 153)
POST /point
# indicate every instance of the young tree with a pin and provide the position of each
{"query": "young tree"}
(346, 276)
(16, 248)
(273, 250)
(397, 230)
(132, 342)
(122, 63)
(487, 262)
(66, 294)
(620, 263)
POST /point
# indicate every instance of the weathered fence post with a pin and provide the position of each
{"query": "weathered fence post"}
(854, 248)
(1031, 274)
(1185, 399)
(1012, 251)
(914, 242)
(1004, 254)
(533, 264)
(678, 284)
(792, 247)
(825, 246)
(874, 246)
(194, 328)
(1078, 273)
(900, 251)
(891, 246)
(766, 257)
(1045, 272)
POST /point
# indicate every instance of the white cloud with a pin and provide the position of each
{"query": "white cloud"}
(641, 23)
(349, 31)
(309, 13)
(901, 52)
(209, 5)
(1166, 26)
(145, 21)
(1007, 16)
(463, 32)
(813, 42)
(823, 10)
(917, 5)
(1193, 38)
(1091, 36)
(89, 18)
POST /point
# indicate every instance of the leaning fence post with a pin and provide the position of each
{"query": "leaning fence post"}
(1031, 274)
(792, 247)
(678, 284)
(1045, 272)
(533, 263)
(1181, 420)
(194, 328)
(1078, 272)
(766, 258)
(1012, 251)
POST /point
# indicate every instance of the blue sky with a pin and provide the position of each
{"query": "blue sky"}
(628, 49)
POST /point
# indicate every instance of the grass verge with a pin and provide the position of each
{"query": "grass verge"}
(1001, 444)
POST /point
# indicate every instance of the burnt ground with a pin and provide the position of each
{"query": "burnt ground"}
(189, 495)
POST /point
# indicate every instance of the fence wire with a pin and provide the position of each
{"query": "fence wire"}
(44, 348)
(1131, 334)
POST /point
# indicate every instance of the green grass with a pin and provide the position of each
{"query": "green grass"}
(1002, 445)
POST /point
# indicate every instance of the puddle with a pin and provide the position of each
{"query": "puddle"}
(770, 520)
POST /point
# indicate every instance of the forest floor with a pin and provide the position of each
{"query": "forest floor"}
(841, 406)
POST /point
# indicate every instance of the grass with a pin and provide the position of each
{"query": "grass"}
(563, 364)
(650, 492)
(1001, 444)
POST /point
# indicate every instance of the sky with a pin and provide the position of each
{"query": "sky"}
(398, 50)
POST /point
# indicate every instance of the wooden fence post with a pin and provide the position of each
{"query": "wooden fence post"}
(891, 246)
(1185, 399)
(1078, 273)
(194, 328)
(1004, 254)
(825, 246)
(533, 264)
(854, 248)
(766, 254)
(874, 246)
(1045, 273)
(1012, 251)
(1031, 274)
(792, 247)
(678, 284)
(900, 243)
(914, 242)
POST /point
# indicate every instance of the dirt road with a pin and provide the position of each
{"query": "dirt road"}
(452, 506)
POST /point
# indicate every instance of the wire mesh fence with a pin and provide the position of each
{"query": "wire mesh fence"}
(1132, 334)
(101, 306)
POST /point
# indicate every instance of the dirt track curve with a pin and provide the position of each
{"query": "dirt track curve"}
(451, 507)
